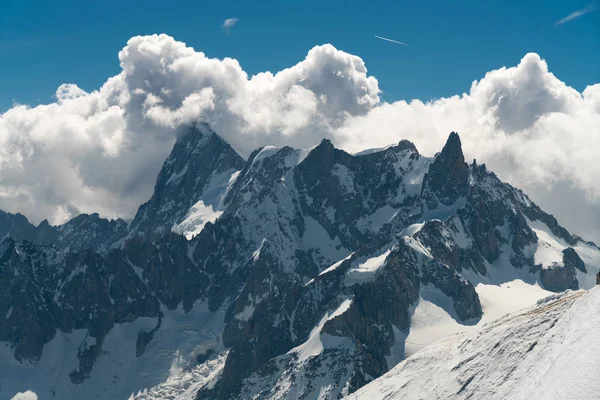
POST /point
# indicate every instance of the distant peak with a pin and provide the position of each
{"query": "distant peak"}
(326, 143)
(401, 146)
(453, 144)
(448, 174)
(44, 224)
(85, 215)
(323, 149)
(195, 132)
(452, 152)
(203, 125)
(407, 145)
(204, 128)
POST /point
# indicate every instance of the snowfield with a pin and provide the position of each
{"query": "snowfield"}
(548, 351)
(433, 317)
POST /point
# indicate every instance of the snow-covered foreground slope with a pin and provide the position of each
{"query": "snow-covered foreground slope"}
(548, 351)
(433, 319)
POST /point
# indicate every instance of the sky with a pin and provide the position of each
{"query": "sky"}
(44, 44)
(92, 95)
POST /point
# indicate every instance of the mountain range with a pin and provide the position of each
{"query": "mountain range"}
(292, 274)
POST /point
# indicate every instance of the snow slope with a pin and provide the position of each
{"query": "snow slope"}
(366, 270)
(209, 207)
(432, 321)
(548, 351)
(314, 345)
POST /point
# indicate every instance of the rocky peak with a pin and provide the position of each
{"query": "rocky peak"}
(192, 140)
(449, 166)
(326, 144)
(200, 160)
(89, 231)
(448, 175)
(452, 150)
(407, 145)
(325, 155)
(46, 233)
(321, 159)
(81, 232)
(16, 226)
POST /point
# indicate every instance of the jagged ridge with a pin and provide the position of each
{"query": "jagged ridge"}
(315, 262)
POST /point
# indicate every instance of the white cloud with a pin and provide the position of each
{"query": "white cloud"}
(28, 395)
(229, 23)
(101, 151)
(579, 13)
(527, 125)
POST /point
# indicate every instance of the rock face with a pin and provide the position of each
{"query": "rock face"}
(447, 177)
(17, 226)
(200, 160)
(45, 290)
(559, 278)
(90, 231)
(310, 261)
(572, 259)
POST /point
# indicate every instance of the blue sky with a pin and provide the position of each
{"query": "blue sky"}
(44, 44)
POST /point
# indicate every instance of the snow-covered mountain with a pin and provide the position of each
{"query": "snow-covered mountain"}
(190, 186)
(188, 193)
(548, 351)
(294, 274)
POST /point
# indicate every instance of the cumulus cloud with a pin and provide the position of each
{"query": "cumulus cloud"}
(28, 395)
(527, 125)
(228, 24)
(101, 151)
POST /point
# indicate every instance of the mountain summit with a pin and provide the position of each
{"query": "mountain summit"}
(292, 274)
(200, 164)
(448, 174)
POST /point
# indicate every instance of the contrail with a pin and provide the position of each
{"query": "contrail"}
(590, 8)
(391, 40)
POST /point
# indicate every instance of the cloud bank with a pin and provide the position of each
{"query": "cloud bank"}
(101, 151)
